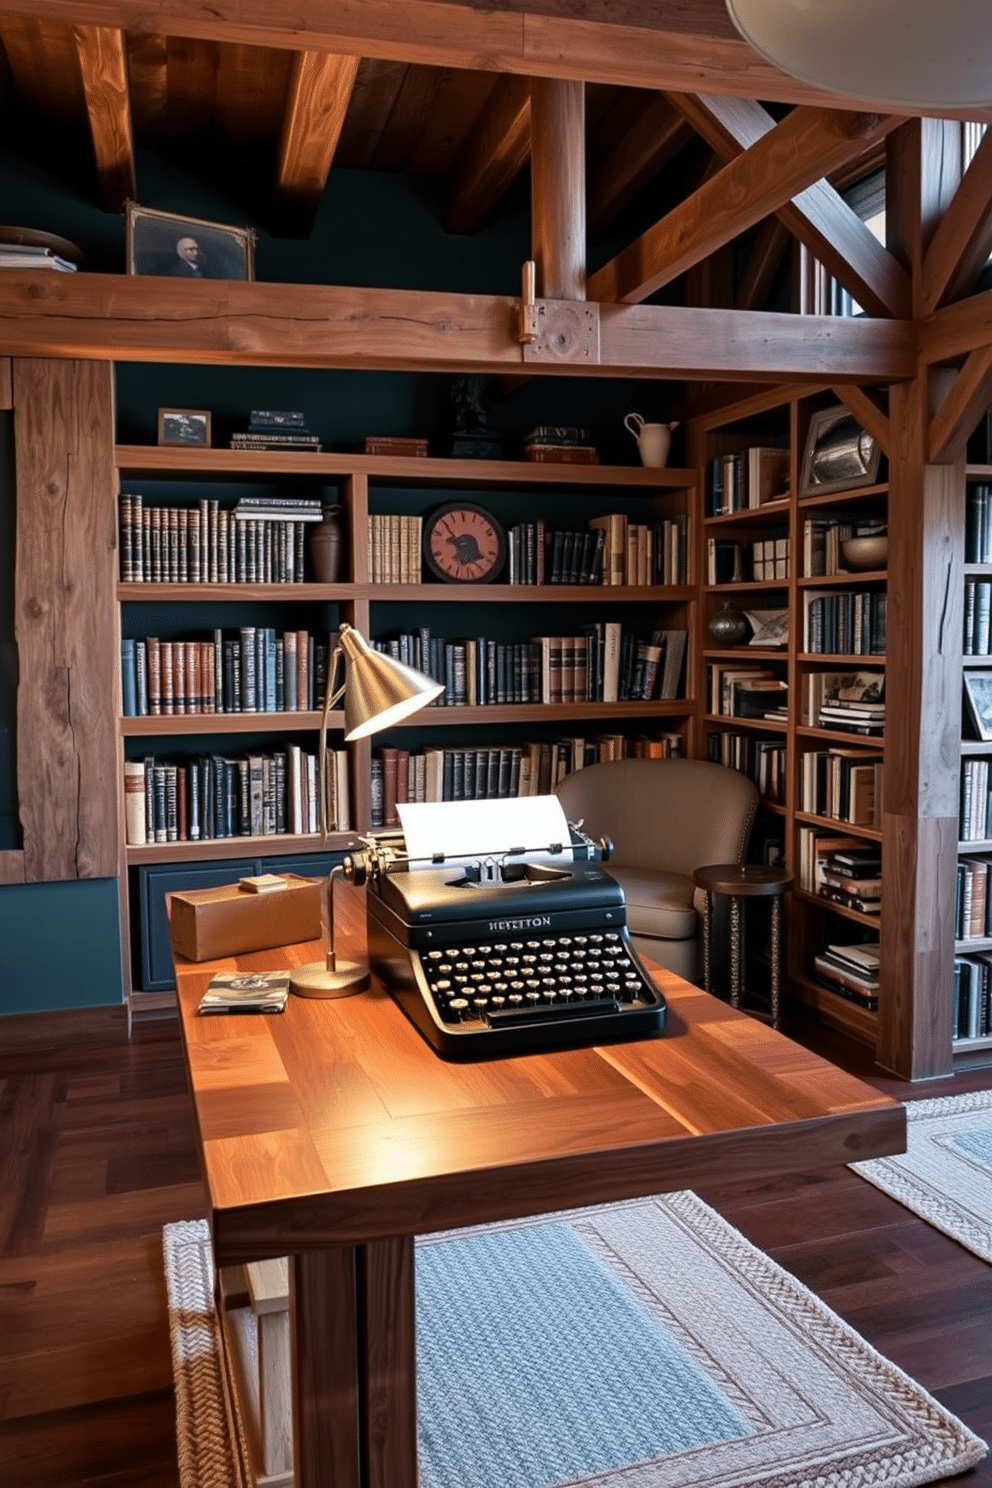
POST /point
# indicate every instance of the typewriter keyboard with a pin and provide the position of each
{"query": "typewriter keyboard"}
(522, 980)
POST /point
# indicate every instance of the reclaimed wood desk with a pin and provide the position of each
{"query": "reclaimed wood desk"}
(334, 1134)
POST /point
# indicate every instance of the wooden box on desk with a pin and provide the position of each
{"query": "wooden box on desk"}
(227, 920)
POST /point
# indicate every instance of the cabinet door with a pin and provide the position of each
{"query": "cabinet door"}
(169, 878)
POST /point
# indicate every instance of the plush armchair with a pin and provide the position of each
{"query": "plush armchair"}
(666, 818)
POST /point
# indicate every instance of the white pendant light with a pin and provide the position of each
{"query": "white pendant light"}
(920, 54)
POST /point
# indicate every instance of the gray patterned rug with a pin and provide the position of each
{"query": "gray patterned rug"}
(637, 1345)
(945, 1174)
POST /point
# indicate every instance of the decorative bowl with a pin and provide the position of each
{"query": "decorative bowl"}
(865, 552)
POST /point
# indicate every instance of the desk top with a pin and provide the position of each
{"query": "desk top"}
(335, 1123)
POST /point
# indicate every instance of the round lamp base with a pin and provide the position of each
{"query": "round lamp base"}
(316, 980)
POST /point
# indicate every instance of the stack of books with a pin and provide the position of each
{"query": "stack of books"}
(276, 429)
(25, 256)
(852, 876)
(852, 971)
(278, 509)
(389, 444)
(560, 444)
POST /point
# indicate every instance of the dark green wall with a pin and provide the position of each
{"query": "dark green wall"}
(372, 229)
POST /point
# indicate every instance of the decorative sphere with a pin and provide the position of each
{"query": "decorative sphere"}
(728, 626)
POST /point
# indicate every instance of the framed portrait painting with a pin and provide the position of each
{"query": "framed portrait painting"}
(839, 454)
(186, 247)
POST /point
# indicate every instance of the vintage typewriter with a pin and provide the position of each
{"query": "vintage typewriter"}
(509, 949)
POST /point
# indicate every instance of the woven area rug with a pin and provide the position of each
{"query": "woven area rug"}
(638, 1345)
(945, 1174)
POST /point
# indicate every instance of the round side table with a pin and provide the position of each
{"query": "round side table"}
(736, 882)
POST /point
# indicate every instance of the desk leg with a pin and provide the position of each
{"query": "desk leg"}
(324, 1310)
(736, 951)
(707, 943)
(386, 1309)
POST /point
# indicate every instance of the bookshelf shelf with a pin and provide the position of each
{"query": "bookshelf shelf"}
(161, 724)
(759, 725)
(841, 1010)
(833, 824)
(839, 580)
(873, 922)
(271, 845)
(858, 495)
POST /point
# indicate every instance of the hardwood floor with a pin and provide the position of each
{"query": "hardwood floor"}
(97, 1152)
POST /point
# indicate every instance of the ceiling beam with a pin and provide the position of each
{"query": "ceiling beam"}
(872, 419)
(955, 420)
(819, 217)
(316, 105)
(103, 67)
(956, 330)
(962, 239)
(232, 322)
(654, 137)
(807, 145)
(493, 155)
(663, 45)
(558, 187)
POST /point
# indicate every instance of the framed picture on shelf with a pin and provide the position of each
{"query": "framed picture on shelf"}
(186, 247)
(187, 426)
(839, 454)
(978, 694)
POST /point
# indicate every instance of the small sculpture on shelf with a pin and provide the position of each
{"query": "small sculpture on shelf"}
(325, 546)
(471, 436)
(728, 627)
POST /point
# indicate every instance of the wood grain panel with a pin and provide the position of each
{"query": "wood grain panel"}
(11, 866)
(135, 318)
(807, 145)
(6, 384)
(103, 66)
(962, 239)
(492, 156)
(316, 104)
(323, 1307)
(66, 570)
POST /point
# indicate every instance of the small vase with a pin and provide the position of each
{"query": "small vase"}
(326, 547)
(728, 626)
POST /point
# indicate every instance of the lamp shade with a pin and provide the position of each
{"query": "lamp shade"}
(378, 690)
(920, 54)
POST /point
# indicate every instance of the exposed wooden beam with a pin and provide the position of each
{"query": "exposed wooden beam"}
(668, 45)
(807, 145)
(956, 330)
(492, 156)
(230, 322)
(818, 216)
(962, 239)
(872, 419)
(103, 66)
(316, 104)
(954, 421)
(6, 384)
(770, 248)
(923, 173)
(655, 136)
(558, 187)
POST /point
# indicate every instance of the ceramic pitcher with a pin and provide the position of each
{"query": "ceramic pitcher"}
(653, 440)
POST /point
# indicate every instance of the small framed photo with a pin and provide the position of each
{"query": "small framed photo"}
(189, 426)
(186, 247)
(839, 454)
(978, 696)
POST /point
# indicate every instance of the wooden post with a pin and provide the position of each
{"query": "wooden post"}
(558, 188)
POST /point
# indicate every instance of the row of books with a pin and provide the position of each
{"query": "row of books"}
(208, 544)
(975, 818)
(394, 548)
(639, 554)
(742, 482)
(603, 663)
(844, 624)
(971, 1013)
(740, 691)
(843, 869)
(977, 611)
(978, 524)
(761, 760)
(852, 971)
(972, 907)
(843, 784)
(254, 671)
(206, 796)
(850, 702)
(494, 772)
(763, 561)
(824, 534)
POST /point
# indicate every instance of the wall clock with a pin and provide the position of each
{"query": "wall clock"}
(464, 544)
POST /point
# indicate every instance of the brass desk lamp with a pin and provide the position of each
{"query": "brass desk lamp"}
(378, 691)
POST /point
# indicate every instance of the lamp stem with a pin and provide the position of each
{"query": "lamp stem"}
(331, 937)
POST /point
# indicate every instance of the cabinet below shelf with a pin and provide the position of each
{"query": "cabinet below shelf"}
(837, 1009)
